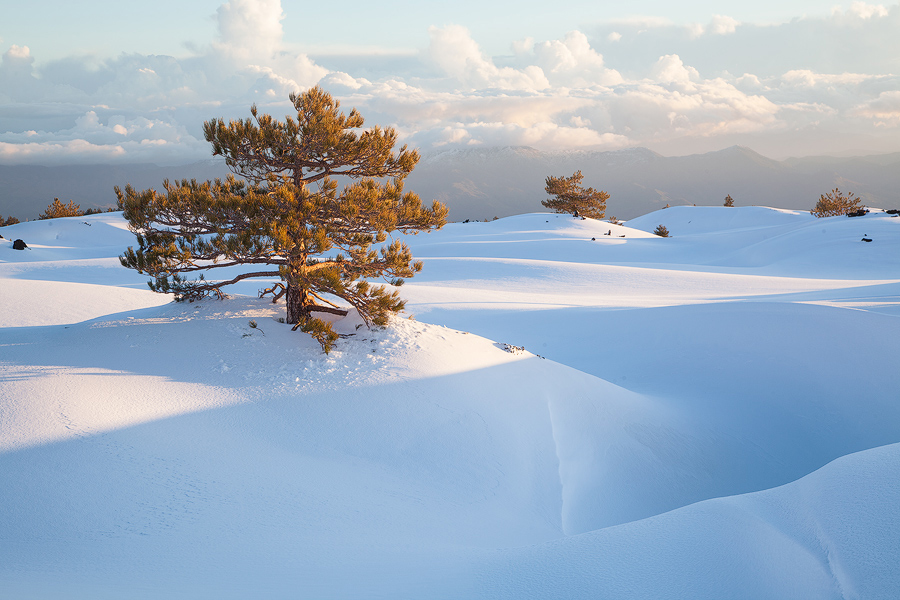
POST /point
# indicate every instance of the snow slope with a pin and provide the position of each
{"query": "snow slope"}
(711, 415)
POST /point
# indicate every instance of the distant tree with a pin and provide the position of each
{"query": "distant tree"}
(57, 209)
(8, 221)
(729, 201)
(289, 214)
(570, 197)
(834, 204)
(661, 231)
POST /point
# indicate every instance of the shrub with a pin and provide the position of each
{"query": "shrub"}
(57, 209)
(729, 201)
(661, 231)
(834, 204)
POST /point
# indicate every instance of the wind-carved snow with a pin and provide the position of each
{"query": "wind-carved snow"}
(571, 414)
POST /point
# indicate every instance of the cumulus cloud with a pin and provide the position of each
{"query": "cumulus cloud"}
(572, 62)
(453, 51)
(634, 82)
(670, 69)
(723, 25)
(883, 110)
(862, 10)
(249, 30)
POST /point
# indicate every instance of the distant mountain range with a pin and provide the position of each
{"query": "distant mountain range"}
(481, 183)
(26, 190)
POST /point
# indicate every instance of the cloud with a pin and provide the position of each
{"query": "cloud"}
(884, 110)
(670, 69)
(861, 39)
(862, 10)
(110, 139)
(572, 62)
(723, 25)
(455, 54)
(249, 30)
(158, 101)
(633, 82)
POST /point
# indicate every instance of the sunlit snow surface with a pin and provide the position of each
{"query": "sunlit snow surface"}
(710, 415)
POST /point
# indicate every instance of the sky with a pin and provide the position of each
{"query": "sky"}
(104, 82)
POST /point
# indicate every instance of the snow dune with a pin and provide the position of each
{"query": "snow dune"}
(711, 415)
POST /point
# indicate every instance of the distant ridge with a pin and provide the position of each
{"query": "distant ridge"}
(484, 182)
(481, 183)
(25, 190)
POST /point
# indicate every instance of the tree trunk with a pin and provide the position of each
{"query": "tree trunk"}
(297, 304)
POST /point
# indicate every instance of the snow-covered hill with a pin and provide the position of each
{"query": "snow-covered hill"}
(709, 415)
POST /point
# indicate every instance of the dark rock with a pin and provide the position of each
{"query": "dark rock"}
(19, 245)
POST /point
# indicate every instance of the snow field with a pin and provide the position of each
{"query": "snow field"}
(676, 440)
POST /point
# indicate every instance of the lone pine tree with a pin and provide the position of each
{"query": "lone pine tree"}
(288, 213)
(570, 197)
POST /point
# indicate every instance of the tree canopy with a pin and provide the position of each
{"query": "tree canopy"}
(570, 197)
(288, 213)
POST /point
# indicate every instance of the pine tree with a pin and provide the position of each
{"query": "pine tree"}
(57, 209)
(570, 197)
(834, 204)
(661, 231)
(289, 214)
(729, 201)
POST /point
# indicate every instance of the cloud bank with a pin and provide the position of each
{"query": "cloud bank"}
(810, 86)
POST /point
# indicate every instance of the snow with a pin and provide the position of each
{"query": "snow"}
(708, 415)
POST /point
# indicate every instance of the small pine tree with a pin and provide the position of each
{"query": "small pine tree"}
(661, 231)
(57, 209)
(729, 201)
(570, 197)
(8, 221)
(834, 204)
(290, 215)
